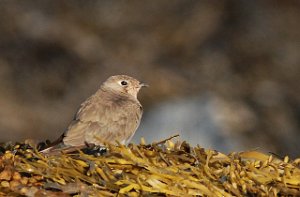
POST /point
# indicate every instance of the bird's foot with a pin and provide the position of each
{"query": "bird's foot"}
(92, 149)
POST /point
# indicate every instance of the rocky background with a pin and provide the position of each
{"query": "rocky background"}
(223, 74)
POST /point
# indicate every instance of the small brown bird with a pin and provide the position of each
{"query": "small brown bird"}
(112, 114)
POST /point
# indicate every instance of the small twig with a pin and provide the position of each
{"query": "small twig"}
(165, 140)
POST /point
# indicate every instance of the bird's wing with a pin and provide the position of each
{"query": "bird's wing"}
(97, 122)
(121, 126)
(91, 109)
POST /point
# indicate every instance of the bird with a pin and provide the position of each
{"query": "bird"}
(110, 115)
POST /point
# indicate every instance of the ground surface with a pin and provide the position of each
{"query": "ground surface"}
(160, 169)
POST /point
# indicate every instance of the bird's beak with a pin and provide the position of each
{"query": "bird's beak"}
(144, 85)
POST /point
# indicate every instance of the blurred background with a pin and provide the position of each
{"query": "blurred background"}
(222, 74)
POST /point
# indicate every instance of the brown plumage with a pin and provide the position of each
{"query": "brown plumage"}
(112, 114)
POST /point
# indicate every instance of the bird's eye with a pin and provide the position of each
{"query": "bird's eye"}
(123, 83)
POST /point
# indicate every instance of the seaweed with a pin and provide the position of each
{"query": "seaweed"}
(158, 169)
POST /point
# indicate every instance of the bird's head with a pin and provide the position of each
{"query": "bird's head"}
(123, 84)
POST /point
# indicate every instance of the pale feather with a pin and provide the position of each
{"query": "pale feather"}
(104, 117)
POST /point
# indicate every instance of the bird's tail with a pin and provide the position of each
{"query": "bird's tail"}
(57, 144)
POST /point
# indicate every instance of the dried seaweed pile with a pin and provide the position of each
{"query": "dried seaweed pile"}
(161, 169)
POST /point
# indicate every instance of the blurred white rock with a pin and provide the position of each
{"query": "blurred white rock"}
(194, 119)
